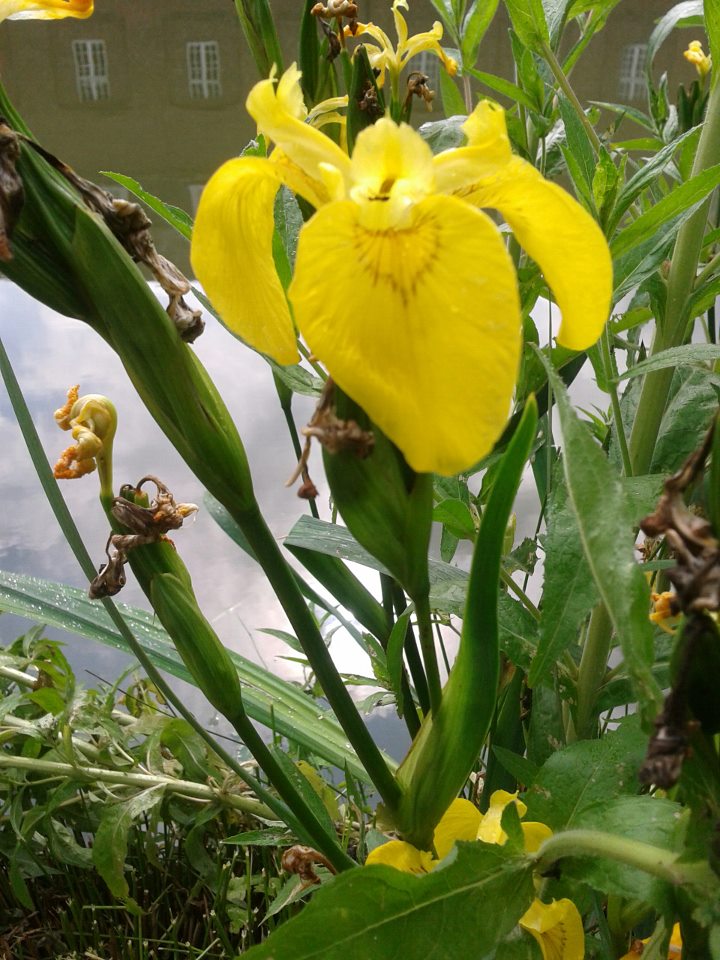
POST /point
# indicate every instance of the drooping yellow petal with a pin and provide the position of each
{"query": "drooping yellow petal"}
(44, 9)
(429, 40)
(556, 231)
(232, 255)
(535, 835)
(459, 822)
(403, 856)
(280, 113)
(558, 929)
(422, 328)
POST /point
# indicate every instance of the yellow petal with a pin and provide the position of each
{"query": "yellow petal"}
(232, 256)
(675, 945)
(44, 9)
(535, 835)
(556, 231)
(459, 822)
(558, 929)
(403, 856)
(490, 830)
(280, 113)
(419, 326)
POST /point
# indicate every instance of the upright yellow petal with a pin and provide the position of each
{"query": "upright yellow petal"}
(280, 113)
(535, 835)
(558, 929)
(459, 822)
(403, 856)
(44, 9)
(232, 255)
(422, 328)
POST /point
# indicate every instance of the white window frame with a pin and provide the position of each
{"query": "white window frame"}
(92, 77)
(631, 81)
(203, 69)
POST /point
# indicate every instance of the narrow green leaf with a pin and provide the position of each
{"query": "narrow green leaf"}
(642, 260)
(605, 527)
(689, 354)
(448, 744)
(679, 15)
(383, 913)
(625, 110)
(521, 768)
(176, 217)
(310, 55)
(681, 199)
(394, 654)
(268, 699)
(505, 87)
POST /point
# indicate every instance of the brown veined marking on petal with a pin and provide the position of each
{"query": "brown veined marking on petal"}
(399, 258)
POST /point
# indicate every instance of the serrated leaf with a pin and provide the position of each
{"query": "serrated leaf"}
(687, 417)
(606, 531)
(379, 912)
(176, 217)
(111, 840)
(689, 353)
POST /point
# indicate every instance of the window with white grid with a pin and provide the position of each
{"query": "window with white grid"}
(91, 70)
(203, 67)
(631, 85)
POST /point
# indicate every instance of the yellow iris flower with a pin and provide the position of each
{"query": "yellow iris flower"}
(44, 9)
(557, 927)
(384, 56)
(695, 55)
(403, 288)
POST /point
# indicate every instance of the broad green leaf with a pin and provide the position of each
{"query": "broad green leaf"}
(528, 20)
(687, 417)
(606, 532)
(268, 699)
(649, 819)
(521, 768)
(682, 14)
(555, 12)
(569, 592)
(689, 354)
(452, 100)
(456, 516)
(176, 217)
(380, 913)
(111, 840)
(644, 259)
(476, 22)
(680, 200)
(585, 773)
(444, 134)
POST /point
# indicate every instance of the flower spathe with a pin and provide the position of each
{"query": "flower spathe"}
(44, 9)
(403, 287)
(557, 927)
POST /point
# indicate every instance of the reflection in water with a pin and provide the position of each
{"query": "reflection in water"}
(156, 91)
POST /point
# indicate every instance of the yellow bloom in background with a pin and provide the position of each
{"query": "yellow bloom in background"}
(403, 288)
(44, 9)
(695, 55)
(666, 613)
(384, 56)
(674, 947)
(556, 926)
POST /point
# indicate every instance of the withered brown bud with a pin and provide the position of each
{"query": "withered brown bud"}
(12, 194)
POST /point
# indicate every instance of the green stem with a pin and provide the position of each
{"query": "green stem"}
(707, 270)
(144, 781)
(520, 594)
(634, 853)
(286, 589)
(610, 377)
(412, 654)
(591, 673)
(564, 84)
(427, 646)
(681, 279)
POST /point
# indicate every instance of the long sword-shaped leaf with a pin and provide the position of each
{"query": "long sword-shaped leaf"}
(267, 698)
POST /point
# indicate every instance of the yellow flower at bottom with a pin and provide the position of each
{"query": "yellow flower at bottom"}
(674, 947)
(556, 926)
(44, 9)
(402, 287)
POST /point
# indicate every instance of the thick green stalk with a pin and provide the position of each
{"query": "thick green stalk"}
(634, 853)
(591, 673)
(288, 593)
(429, 654)
(681, 279)
(564, 84)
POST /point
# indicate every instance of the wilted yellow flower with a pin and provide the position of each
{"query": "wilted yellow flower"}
(665, 610)
(403, 288)
(556, 926)
(92, 421)
(44, 9)
(694, 54)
